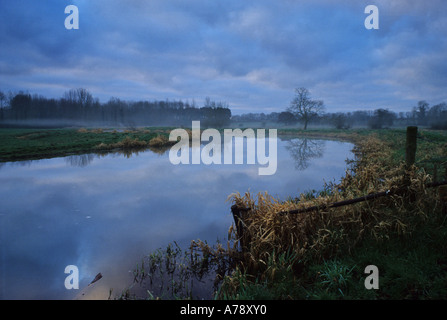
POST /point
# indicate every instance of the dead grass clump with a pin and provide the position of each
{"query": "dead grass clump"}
(158, 141)
(126, 143)
(82, 130)
(102, 146)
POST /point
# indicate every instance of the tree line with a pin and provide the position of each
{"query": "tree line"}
(304, 111)
(78, 106)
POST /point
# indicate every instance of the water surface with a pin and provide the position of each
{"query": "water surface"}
(104, 213)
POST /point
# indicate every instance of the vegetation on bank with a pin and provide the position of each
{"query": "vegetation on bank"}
(315, 255)
(322, 254)
(30, 144)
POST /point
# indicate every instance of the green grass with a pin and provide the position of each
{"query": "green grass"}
(413, 266)
(410, 268)
(29, 144)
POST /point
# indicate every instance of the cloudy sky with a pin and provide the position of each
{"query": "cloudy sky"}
(251, 54)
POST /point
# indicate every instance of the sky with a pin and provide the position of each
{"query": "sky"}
(251, 54)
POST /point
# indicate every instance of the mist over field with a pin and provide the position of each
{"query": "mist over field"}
(78, 108)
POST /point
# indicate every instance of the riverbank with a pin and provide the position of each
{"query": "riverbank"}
(431, 150)
(322, 254)
(32, 144)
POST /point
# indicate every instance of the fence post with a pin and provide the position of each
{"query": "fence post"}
(443, 196)
(410, 146)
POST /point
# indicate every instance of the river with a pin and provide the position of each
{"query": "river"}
(103, 213)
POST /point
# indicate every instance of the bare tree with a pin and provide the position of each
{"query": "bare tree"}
(79, 96)
(303, 107)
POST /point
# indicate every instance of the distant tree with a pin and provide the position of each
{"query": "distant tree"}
(2, 102)
(80, 96)
(340, 120)
(21, 105)
(303, 107)
(422, 111)
(2, 99)
(361, 117)
(437, 116)
(287, 118)
(382, 118)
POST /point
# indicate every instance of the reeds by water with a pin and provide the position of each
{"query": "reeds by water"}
(281, 250)
(321, 233)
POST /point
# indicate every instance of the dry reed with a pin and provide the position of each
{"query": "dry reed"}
(324, 233)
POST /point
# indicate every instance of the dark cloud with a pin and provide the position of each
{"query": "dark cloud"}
(249, 53)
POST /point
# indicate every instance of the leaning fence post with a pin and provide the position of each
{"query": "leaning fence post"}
(410, 146)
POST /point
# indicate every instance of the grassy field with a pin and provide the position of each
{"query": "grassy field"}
(29, 144)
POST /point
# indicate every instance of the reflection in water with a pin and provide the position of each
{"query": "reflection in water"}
(103, 212)
(82, 160)
(303, 150)
(24, 163)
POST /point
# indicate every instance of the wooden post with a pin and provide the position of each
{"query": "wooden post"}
(443, 196)
(410, 146)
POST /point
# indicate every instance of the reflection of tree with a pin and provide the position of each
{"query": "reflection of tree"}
(160, 150)
(80, 160)
(303, 150)
(83, 160)
(129, 152)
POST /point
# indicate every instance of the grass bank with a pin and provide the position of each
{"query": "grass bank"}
(316, 255)
(322, 254)
(31, 144)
